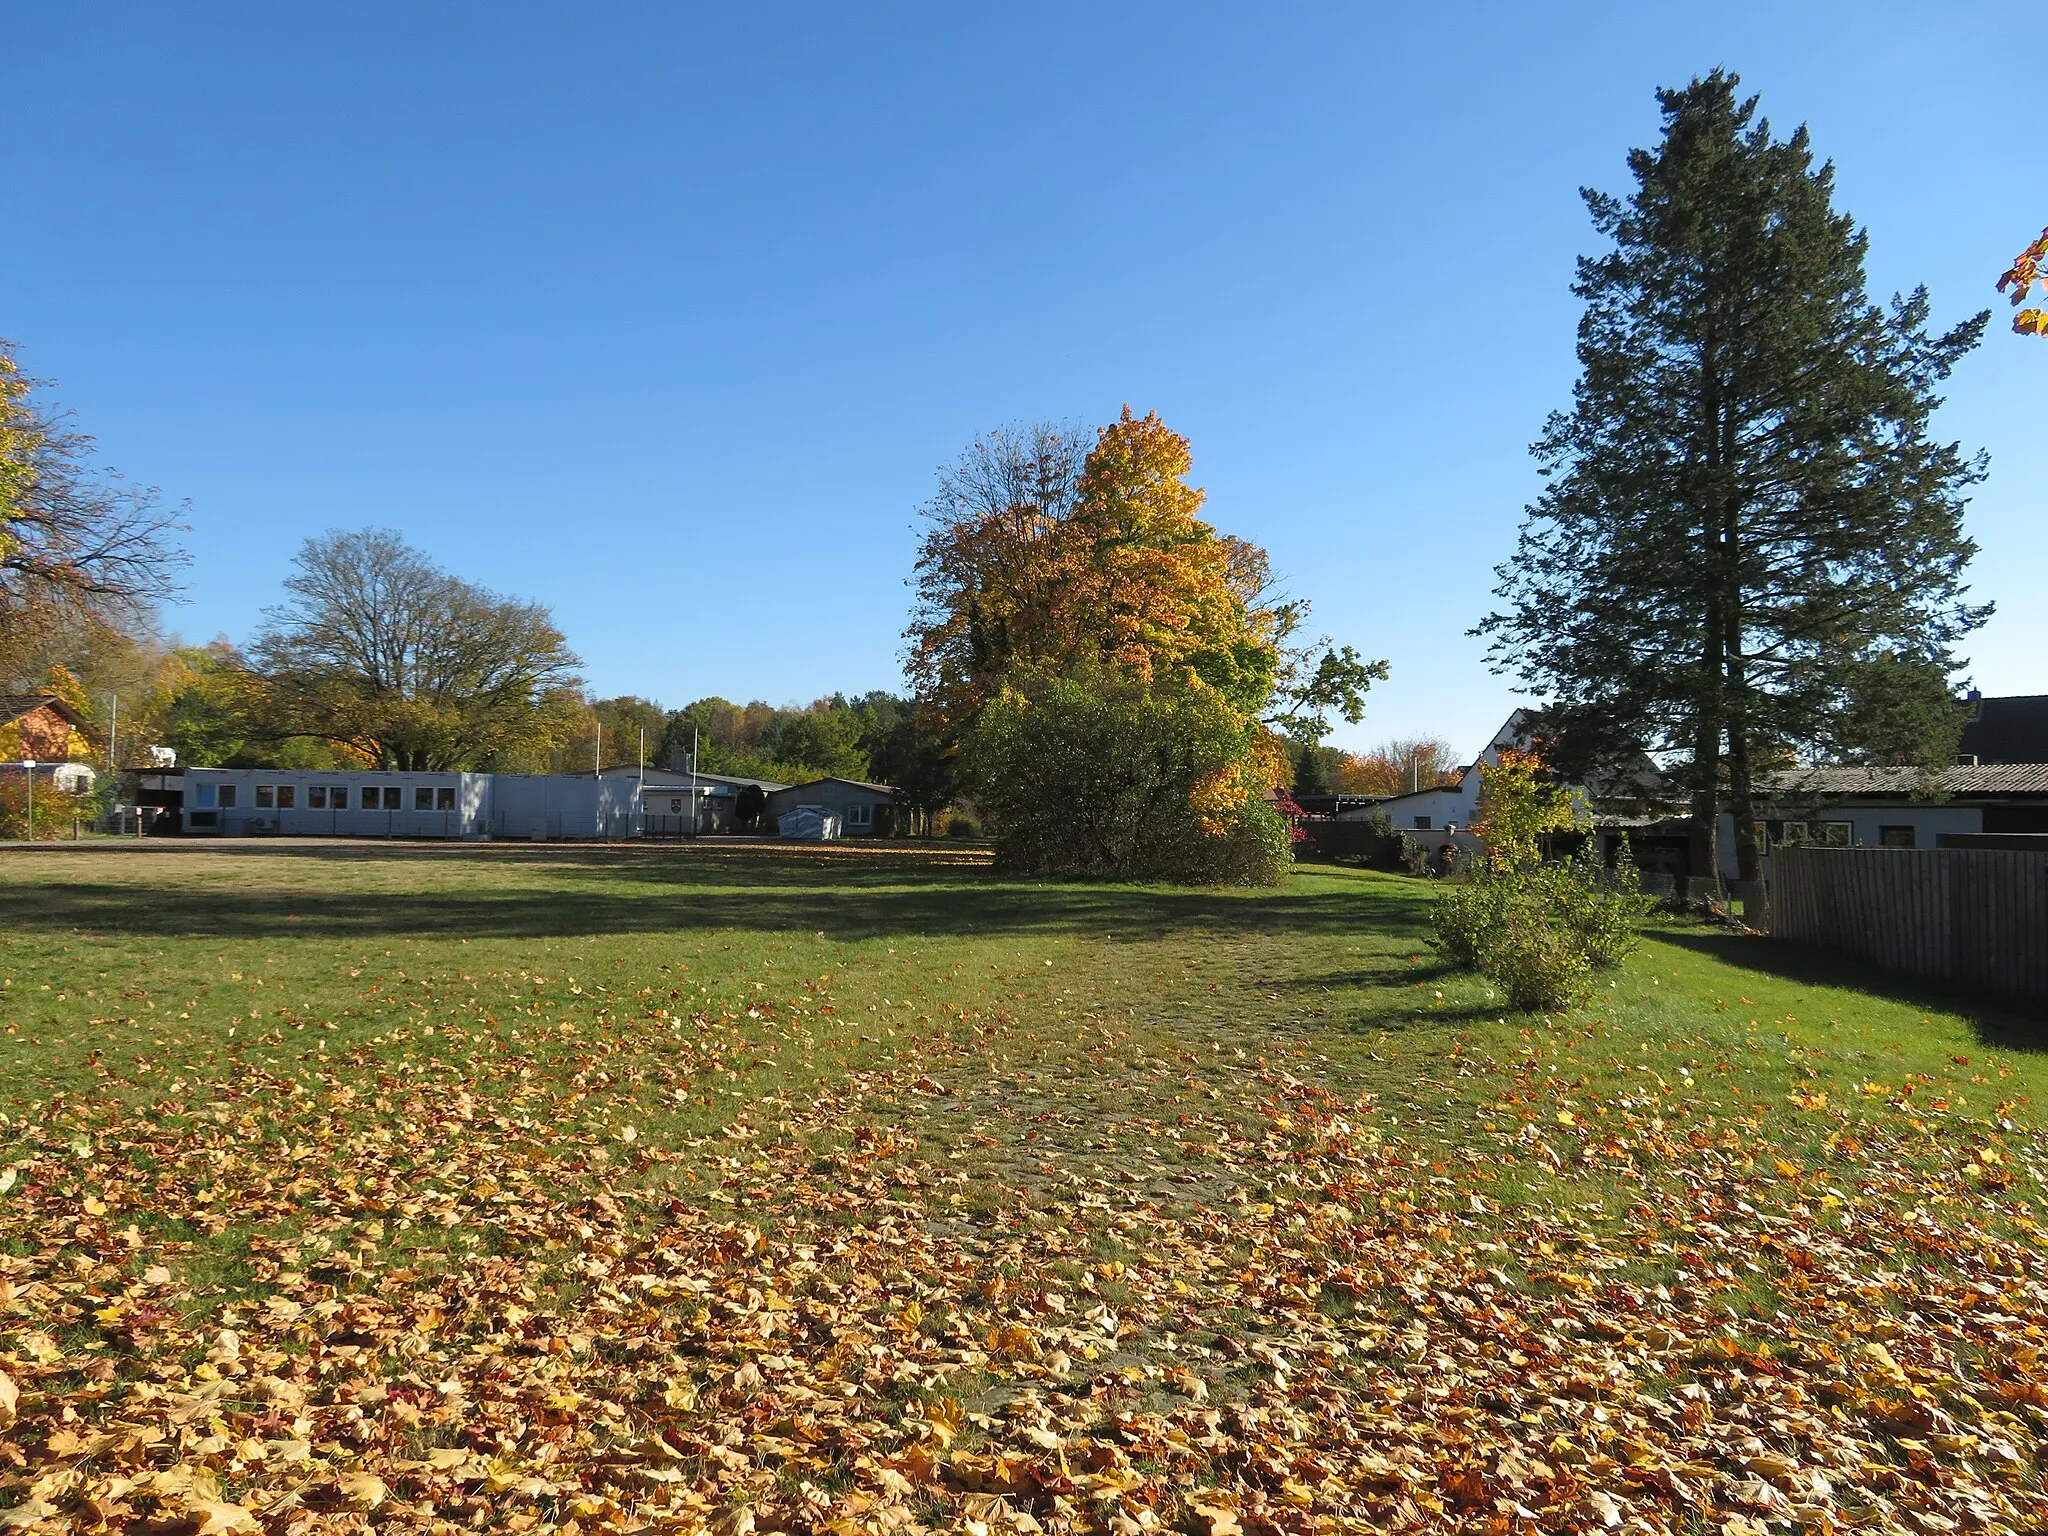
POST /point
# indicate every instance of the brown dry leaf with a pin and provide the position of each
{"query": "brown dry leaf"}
(213, 1518)
(362, 1490)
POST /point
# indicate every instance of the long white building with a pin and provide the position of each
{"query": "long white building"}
(248, 802)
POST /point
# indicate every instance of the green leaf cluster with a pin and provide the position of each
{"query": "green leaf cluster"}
(1094, 773)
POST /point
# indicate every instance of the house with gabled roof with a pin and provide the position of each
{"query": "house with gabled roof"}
(859, 808)
(42, 728)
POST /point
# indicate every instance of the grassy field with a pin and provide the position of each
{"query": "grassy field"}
(861, 1189)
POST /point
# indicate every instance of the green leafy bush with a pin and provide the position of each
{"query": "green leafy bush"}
(1539, 931)
(1606, 909)
(1538, 962)
(959, 825)
(1466, 915)
(1095, 773)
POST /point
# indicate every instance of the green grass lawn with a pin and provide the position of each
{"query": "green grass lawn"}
(862, 1189)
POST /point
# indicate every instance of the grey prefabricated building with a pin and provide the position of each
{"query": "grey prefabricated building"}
(243, 802)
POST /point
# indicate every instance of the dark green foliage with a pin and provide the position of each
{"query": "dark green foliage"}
(1311, 771)
(1748, 526)
(1898, 711)
(904, 750)
(214, 717)
(1098, 775)
(832, 737)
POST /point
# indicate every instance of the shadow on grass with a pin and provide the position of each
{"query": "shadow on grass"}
(555, 892)
(1996, 1020)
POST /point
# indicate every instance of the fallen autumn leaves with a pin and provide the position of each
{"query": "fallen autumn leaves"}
(1333, 1336)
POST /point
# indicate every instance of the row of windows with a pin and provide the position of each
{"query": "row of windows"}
(1835, 834)
(326, 797)
(1820, 834)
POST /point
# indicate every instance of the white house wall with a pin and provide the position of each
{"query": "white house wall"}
(462, 805)
(458, 803)
(1450, 803)
(537, 805)
(1928, 822)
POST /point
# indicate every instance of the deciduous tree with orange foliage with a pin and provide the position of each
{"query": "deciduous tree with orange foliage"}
(1047, 550)
(2020, 278)
(1397, 767)
(1050, 556)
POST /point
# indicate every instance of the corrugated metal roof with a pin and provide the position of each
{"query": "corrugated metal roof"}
(1911, 783)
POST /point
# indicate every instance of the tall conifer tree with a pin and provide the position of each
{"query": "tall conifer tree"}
(1747, 530)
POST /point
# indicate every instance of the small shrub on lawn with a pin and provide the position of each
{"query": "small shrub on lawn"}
(1606, 909)
(1538, 962)
(1466, 914)
(1537, 930)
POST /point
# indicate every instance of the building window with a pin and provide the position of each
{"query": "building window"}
(1896, 837)
(1818, 834)
(266, 797)
(205, 818)
(316, 797)
(287, 796)
(444, 798)
(394, 798)
(860, 815)
(340, 797)
(227, 797)
(423, 797)
(1422, 823)
(202, 795)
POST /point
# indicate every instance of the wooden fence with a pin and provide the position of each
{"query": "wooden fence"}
(1338, 839)
(1971, 915)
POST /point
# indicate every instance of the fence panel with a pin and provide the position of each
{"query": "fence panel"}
(1978, 916)
(1339, 839)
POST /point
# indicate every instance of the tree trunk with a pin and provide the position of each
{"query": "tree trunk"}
(1703, 861)
(1749, 867)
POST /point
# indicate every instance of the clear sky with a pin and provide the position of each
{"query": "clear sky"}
(665, 315)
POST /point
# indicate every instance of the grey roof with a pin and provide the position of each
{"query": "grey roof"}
(2013, 729)
(880, 789)
(1447, 787)
(667, 778)
(1910, 783)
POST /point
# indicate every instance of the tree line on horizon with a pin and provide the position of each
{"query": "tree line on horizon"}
(380, 660)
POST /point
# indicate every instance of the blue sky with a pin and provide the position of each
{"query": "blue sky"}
(665, 315)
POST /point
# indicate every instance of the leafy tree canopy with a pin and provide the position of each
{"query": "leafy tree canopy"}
(2019, 280)
(83, 553)
(381, 652)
